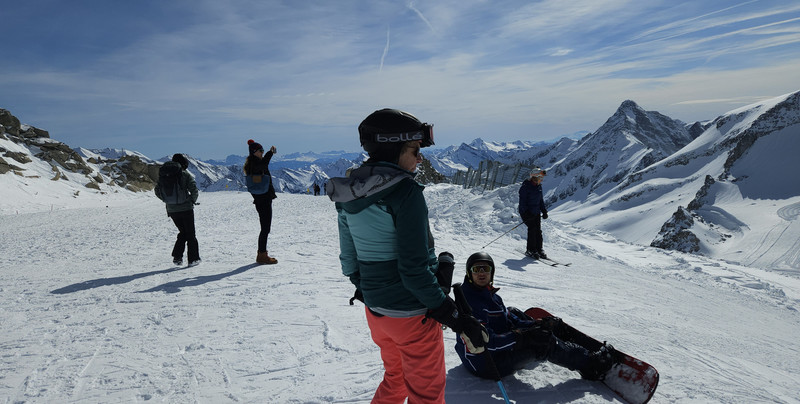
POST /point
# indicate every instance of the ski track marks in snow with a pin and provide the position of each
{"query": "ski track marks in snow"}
(94, 311)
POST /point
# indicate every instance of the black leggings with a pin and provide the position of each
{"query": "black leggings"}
(264, 209)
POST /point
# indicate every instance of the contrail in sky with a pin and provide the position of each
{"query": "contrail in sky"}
(385, 49)
(419, 13)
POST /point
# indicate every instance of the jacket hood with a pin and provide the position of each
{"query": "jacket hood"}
(367, 181)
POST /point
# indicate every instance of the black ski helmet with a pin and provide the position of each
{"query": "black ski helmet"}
(387, 130)
(479, 256)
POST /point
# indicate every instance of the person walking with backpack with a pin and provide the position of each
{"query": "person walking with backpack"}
(531, 206)
(387, 252)
(259, 184)
(177, 188)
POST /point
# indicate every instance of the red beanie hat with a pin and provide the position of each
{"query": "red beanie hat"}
(254, 146)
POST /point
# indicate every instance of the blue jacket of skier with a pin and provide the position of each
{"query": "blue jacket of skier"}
(531, 199)
(387, 250)
(488, 308)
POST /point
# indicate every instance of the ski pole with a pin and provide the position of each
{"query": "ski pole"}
(464, 308)
(498, 237)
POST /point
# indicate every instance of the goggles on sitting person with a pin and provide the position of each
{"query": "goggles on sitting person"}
(424, 134)
(481, 268)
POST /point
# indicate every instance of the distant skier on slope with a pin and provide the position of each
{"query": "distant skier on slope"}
(515, 338)
(387, 251)
(531, 206)
(178, 190)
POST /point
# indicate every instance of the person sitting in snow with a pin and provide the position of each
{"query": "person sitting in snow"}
(515, 338)
(531, 206)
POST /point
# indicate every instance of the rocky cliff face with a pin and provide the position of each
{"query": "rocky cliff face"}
(24, 146)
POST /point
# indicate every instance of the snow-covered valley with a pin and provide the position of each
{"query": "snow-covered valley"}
(94, 311)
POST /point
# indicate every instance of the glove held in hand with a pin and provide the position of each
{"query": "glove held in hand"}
(472, 333)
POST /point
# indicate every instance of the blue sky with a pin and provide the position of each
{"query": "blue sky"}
(203, 76)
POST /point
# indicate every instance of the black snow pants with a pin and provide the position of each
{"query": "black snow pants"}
(184, 221)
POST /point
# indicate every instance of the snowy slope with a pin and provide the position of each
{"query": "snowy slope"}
(734, 181)
(93, 310)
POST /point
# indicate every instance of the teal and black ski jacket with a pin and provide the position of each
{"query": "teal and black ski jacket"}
(386, 246)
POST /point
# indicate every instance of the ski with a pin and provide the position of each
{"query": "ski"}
(633, 380)
(547, 261)
(555, 262)
(552, 264)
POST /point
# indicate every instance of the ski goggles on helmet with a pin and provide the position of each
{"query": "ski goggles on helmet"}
(423, 134)
(481, 268)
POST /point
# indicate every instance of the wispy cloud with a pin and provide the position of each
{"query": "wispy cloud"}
(533, 69)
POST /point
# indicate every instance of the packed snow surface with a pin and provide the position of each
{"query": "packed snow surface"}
(93, 310)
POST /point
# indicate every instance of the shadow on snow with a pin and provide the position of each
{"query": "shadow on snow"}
(96, 283)
(170, 287)
(463, 387)
(175, 286)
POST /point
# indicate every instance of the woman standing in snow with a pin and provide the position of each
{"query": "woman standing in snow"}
(259, 184)
(387, 252)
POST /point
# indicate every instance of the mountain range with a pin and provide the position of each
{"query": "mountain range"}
(705, 187)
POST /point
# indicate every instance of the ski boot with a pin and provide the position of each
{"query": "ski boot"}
(532, 254)
(600, 362)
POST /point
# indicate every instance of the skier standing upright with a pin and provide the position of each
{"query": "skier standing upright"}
(387, 251)
(531, 206)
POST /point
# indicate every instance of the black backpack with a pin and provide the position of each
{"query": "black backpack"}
(173, 190)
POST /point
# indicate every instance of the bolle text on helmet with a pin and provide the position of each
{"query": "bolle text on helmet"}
(399, 137)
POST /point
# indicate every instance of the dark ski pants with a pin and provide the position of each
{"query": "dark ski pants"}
(184, 221)
(551, 347)
(535, 239)
(264, 209)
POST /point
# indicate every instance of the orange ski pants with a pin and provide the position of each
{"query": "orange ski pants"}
(413, 359)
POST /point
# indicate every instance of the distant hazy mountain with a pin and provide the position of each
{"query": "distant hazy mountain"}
(459, 158)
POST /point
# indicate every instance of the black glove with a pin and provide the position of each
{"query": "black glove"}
(357, 296)
(550, 323)
(467, 327)
(544, 215)
(445, 273)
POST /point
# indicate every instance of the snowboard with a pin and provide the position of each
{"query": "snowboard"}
(633, 380)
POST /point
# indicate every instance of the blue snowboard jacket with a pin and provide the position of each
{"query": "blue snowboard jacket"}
(488, 308)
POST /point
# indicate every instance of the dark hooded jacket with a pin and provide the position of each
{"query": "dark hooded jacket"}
(386, 246)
